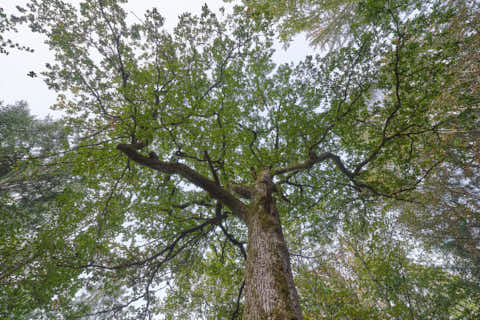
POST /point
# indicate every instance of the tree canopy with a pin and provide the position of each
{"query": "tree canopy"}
(211, 183)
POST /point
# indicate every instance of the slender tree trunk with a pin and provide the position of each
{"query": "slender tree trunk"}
(270, 291)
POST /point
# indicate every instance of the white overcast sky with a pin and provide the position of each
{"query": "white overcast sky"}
(16, 85)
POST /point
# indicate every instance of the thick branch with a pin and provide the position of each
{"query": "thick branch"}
(313, 160)
(243, 191)
(215, 191)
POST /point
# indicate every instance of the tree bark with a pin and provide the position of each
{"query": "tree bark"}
(270, 292)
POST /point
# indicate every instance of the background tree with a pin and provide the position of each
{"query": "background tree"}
(29, 186)
(194, 144)
(449, 217)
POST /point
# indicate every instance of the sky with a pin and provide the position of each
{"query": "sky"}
(16, 85)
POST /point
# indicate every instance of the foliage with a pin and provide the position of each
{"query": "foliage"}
(8, 24)
(333, 22)
(448, 216)
(445, 212)
(351, 136)
(382, 283)
(29, 185)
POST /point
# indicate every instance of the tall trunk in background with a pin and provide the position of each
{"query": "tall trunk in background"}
(270, 292)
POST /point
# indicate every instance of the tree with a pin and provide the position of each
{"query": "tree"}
(29, 185)
(444, 213)
(452, 192)
(194, 144)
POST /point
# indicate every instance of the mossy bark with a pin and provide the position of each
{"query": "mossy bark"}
(270, 290)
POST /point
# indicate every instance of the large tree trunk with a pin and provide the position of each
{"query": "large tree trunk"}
(270, 291)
